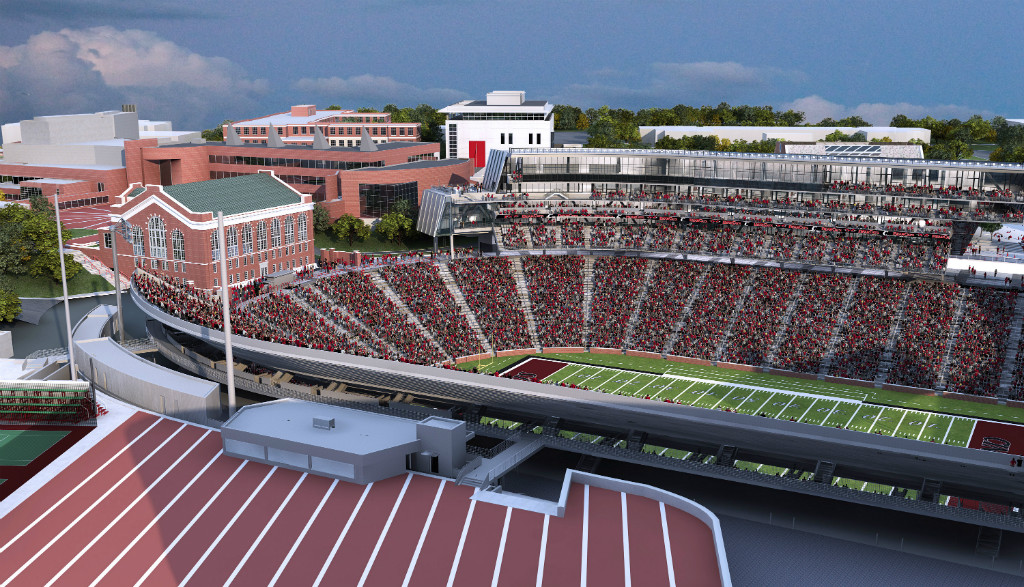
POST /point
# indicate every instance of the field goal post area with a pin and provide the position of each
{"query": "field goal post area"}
(46, 402)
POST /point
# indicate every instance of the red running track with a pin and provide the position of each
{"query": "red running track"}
(156, 502)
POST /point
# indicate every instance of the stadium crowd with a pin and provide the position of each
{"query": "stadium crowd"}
(555, 285)
(981, 341)
(617, 282)
(863, 337)
(755, 329)
(421, 288)
(490, 291)
(662, 308)
(813, 320)
(712, 310)
(924, 331)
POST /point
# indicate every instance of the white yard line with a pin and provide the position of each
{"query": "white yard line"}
(900, 423)
(807, 410)
(951, 422)
(676, 398)
(770, 396)
(641, 390)
(923, 426)
(875, 421)
(727, 394)
(829, 415)
(852, 417)
(626, 383)
(774, 390)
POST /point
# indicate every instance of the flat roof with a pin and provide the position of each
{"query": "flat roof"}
(422, 164)
(355, 431)
(286, 118)
(51, 180)
(788, 128)
(55, 166)
(380, 146)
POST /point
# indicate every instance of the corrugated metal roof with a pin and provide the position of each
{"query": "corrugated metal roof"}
(233, 195)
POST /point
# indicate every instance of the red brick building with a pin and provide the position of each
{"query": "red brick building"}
(338, 177)
(173, 229)
(341, 128)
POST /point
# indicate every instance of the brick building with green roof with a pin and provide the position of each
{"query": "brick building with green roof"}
(172, 229)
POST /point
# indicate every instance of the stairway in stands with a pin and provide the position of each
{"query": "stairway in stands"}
(524, 300)
(365, 331)
(894, 332)
(844, 313)
(954, 332)
(351, 336)
(1012, 349)
(736, 311)
(627, 340)
(687, 309)
(787, 319)
(409, 315)
(460, 301)
(588, 297)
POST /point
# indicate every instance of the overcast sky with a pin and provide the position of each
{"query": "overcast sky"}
(198, 62)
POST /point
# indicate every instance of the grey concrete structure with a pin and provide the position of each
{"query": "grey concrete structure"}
(907, 463)
(343, 443)
(123, 374)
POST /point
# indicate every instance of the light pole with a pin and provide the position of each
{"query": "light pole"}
(119, 228)
(64, 285)
(228, 355)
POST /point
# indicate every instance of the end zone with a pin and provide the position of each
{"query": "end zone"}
(534, 369)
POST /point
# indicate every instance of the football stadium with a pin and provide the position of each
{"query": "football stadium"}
(789, 330)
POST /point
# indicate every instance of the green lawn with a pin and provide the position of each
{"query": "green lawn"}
(78, 232)
(44, 287)
(327, 240)
(926, 403)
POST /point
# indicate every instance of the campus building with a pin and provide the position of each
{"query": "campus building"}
(173, 229)
(341, 128)
(652, 134)
(81, 157)
(362, 181)
(506, 119)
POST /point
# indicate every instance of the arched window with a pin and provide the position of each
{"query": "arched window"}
(261, 236)
(231, 238)
(178, 245)
(303, 234)
(157, 238)
(138, 242)
(246, 239)
(215, 245)
(289, 230)
(275, 233)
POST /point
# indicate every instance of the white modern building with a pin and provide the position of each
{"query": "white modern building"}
(84, 139)
(652, 134)
(504, 120)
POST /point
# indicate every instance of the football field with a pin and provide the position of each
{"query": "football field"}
(801, 401)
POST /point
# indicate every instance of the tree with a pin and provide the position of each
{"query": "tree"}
(10, 304)
(28, 242)
(852, 121)
(216, 134)
(321, 218)
(566, 117)
(350, 228)
(333, 107)
(394, 227)
(582, 122)
(367, 109)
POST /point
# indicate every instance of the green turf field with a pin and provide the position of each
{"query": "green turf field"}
(21, 447)
(797, 403)
(926, 403)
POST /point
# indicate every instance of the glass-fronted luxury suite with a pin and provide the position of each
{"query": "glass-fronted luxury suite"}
(823, 188)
